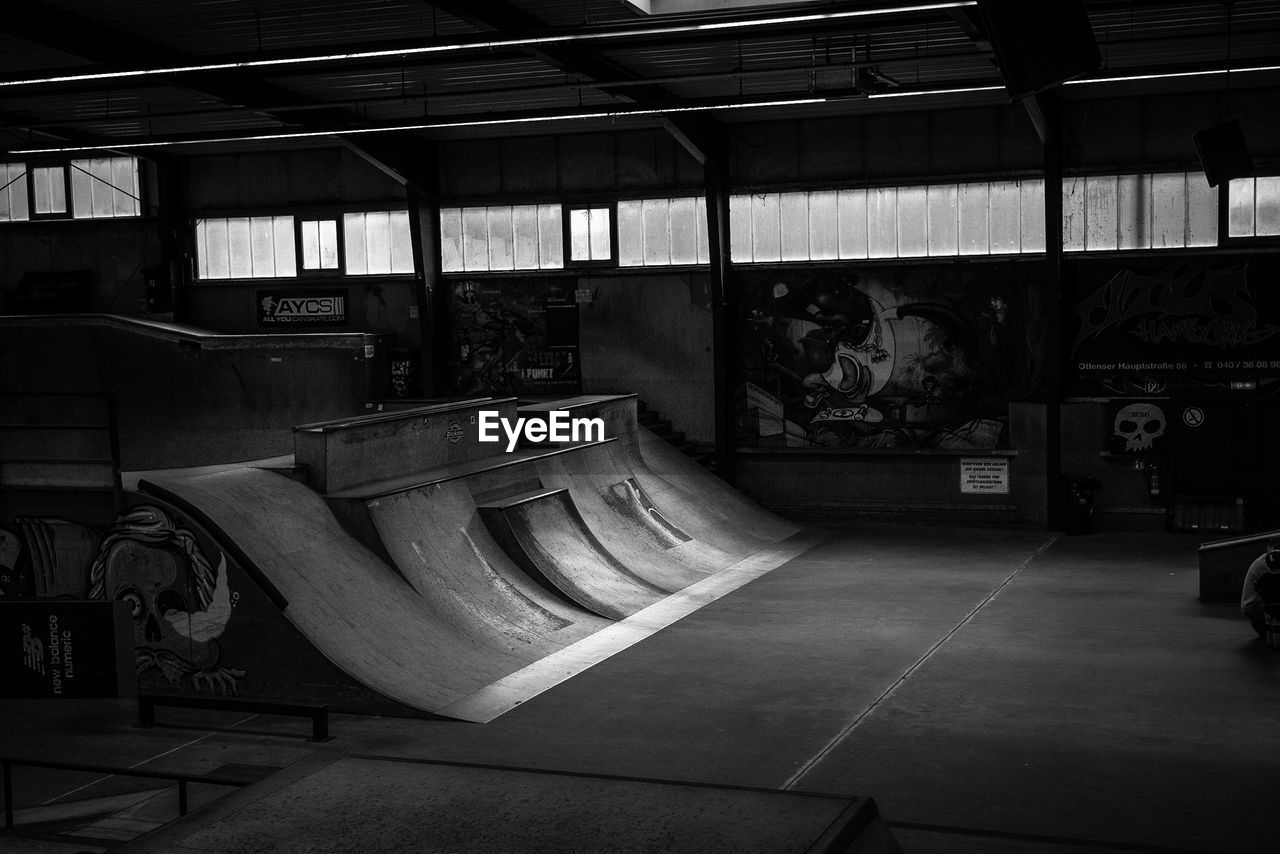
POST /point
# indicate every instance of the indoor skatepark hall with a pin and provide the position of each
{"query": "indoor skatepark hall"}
(639, 426)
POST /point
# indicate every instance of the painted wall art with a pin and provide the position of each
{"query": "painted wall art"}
(179, 593)
(514, 337)
(1188, 327)
(887, 357)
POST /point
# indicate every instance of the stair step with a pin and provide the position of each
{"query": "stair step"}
(677, 439)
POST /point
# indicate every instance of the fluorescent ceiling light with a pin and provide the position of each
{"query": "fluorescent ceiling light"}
(919, 92)
(528, 41)
(466, 123)
(1170, 75)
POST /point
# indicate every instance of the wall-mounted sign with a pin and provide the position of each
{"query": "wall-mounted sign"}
(984, 476)
(302, 308)
(1138, 428)
(63, 648)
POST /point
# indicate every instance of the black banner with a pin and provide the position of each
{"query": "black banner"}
(64, 648)
(1152, 327)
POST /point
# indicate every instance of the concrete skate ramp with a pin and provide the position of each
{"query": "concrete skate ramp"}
(658, 466)
(706, 508)
(435, 537)
(357, 611)
(550, 540)
(620, 513)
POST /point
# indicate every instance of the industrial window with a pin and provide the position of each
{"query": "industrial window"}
(49, 190)
(662, 232)
(1254, 207)
(982, 218)
(590, 234)
(13, 192)
(103, 187)
(501, 237)
(318, 244)
(377, 243)
(1154, 211)
(245, 247)
(100, 187)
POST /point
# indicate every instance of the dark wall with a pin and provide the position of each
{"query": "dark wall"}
(556, 166)
(829, 151)
(309, 181)
(257, 181)
(109, 254)
(1156, 131)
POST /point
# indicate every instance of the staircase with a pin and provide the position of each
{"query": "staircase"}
(653, 420)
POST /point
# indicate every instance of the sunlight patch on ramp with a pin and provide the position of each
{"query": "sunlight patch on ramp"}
(510, 691)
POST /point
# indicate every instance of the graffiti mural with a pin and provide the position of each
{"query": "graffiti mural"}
(1150, 328)
(514, 337)
(45, 557)
(899, 357)
(201, 621)
(179, 601)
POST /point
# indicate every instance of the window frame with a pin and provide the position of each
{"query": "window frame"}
(141, 197)
(197, 280)
(566, 223)
(67, 212)
(1241, 241)
(319, 272)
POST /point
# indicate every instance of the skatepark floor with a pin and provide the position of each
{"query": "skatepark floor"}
(995, 690)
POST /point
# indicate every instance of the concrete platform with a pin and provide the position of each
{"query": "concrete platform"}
(994, 690)
(371, 804)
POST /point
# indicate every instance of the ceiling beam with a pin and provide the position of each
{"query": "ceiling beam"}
(89, 40)
(498, 16)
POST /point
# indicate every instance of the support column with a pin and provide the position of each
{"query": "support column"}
(432, 302)
(1055, 311)
(170, 293)
(724, 307)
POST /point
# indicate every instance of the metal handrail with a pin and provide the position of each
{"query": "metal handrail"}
(7, 764)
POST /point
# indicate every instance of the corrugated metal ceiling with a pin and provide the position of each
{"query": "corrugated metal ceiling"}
(918, 50)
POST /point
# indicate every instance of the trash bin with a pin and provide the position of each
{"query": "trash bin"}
(1077, 510)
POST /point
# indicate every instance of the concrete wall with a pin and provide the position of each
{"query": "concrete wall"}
(651, 334)
(114, 252)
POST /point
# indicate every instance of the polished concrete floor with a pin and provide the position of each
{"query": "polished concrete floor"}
(995, 690)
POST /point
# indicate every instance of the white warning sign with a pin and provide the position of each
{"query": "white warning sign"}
(984, 475)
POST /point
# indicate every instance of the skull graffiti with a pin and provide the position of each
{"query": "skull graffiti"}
(179, 603)
(1139, 425)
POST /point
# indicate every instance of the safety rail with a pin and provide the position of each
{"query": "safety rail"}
(7, 764)
(317, 712)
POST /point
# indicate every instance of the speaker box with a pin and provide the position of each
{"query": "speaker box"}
(1039, 44)
(1223, 152)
